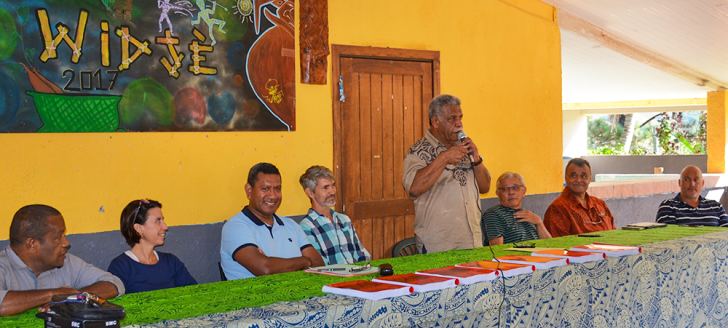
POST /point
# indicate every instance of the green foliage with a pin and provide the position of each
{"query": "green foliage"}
(665, 133)
(603, 135)
(616, 149)
(637, 151)
(676, 137)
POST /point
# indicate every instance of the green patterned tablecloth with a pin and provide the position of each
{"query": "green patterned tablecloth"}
(192, 301)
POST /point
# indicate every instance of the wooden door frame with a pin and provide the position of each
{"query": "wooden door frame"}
(338, 51)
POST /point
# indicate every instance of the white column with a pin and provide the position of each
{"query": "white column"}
(575, 133)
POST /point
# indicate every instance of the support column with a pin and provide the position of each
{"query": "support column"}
(717, 127)
(575, 133)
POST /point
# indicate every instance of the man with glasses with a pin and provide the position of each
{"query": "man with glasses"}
(445, 176)
(36, 265)
(508, 222)
(688, 207)
(575, 212)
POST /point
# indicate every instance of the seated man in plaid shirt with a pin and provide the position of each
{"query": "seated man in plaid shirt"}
(330, 233)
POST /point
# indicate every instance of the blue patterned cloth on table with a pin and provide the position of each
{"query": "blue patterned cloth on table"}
(336, 241)
(708, 212)
(676, 283)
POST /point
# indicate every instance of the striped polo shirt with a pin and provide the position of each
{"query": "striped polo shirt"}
(500, 222)
(708, 212)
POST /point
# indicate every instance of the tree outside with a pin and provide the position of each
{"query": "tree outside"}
(676, 133)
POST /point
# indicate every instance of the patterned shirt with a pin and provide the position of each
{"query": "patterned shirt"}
(447, 216)
(708, 212)
(500, 222)
(336, 241)
(567, 216)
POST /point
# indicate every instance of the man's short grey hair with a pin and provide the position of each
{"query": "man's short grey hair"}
(509, 175)
(309, 180)
(437, 103)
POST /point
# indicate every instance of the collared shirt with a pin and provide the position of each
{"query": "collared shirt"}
(499, 221)
(75, 273)
(567, 216)
(283, 239)
(447, 215)
(708, 212)
(336, 241)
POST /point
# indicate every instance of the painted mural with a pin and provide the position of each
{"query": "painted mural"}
(146, 65)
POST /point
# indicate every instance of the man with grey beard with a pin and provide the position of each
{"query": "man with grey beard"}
(330, 233)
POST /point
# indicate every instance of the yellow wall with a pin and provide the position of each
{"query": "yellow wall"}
(502, 58)
(717, 131)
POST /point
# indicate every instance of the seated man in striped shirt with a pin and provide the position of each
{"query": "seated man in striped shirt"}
(331, 234)
(688, 207)
(508, 222)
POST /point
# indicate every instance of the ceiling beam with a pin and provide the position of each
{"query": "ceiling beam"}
(596, 34)
(632, 110)
(638, 106)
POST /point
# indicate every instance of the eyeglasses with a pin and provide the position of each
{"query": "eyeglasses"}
(600, 215)
(141, 201)
(361, 268)
(524, 245)
(515, 188)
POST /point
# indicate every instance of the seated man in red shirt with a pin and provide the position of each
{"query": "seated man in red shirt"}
(576, 212)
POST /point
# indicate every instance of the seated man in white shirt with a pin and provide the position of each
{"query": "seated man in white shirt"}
(36, 265)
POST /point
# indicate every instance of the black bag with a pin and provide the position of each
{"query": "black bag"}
(86, 310)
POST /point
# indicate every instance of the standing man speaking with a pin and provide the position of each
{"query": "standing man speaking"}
(445, 176)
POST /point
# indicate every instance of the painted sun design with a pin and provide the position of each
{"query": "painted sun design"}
(245, 9)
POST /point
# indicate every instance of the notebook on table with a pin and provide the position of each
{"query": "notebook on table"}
(420, 283)
(644, 225)
(541, 263)
(609, 249)
(466, 276)
(367, 289)
(573, 256)
(508, 269)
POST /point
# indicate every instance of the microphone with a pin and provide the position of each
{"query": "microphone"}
(462, 136)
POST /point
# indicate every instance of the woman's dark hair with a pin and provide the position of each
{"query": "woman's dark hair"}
(135, 212)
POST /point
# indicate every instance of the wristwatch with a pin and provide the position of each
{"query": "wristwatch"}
(474, 164)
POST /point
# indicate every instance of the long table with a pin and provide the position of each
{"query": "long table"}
(679, 280)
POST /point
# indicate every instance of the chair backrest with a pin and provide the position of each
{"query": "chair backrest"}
(405, 247)
(222, 273)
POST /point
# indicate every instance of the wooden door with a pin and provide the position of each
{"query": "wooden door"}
(384, 113)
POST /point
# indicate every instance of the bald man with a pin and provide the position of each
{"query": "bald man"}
(688, 207)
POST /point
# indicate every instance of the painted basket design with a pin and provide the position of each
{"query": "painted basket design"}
(77, 113)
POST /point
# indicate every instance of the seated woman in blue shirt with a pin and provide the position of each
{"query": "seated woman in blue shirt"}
(142, 268)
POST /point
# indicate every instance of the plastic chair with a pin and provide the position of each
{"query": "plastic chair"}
(405, 247)
(222, 273)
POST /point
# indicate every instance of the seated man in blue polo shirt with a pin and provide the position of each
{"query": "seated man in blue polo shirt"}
(256, 241)
(688, 207)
